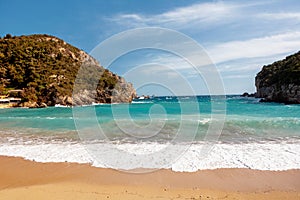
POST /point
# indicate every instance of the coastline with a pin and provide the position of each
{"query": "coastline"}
(23, 179)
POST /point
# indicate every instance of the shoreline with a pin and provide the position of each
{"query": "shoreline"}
(24, 179)
(260, 156)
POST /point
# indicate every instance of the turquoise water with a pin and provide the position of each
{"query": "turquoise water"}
(158, 119)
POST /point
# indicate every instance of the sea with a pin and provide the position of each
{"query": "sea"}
(185, 133)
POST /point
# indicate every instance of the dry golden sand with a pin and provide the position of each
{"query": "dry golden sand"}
(21, 179)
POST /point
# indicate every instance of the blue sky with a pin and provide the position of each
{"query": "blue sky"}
(239, 36)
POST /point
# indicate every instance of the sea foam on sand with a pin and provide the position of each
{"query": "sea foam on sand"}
(261, 156)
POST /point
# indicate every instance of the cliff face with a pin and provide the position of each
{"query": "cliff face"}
(280, 81)
(45, 69)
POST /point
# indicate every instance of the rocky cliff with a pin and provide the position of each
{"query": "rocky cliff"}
(280, 81)
(45, 68)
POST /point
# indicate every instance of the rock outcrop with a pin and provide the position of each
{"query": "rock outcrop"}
(280, 81)
(246, 94)
(46, 69)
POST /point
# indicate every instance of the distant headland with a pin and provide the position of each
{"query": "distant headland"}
(40, 70)
(280, 81)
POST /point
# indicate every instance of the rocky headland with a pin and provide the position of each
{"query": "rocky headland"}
(280, 81)
(43, 69)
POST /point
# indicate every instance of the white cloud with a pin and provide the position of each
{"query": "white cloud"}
(237, 76)
(204, 12)
(257, 47)
(241, 67)
(220, 12)
(236, 58)
(281, 16)
(159, 76)
(243, 56)
(200, 14)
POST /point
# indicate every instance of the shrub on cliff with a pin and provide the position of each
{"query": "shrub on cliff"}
(280, 81)
(285, 71)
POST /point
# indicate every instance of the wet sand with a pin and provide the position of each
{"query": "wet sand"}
(22, 179)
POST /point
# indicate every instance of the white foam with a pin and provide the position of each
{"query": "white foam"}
(48, 152)
(204, 121)
(141, 102)
(265, 156)
(60, 106)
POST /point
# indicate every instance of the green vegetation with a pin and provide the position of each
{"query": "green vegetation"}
(282, 72)
(45, 67)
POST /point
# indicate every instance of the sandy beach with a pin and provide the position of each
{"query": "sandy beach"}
(23, 179)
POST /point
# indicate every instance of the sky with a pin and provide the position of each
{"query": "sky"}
(239, 37)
